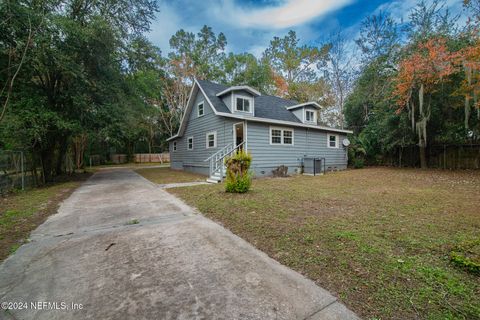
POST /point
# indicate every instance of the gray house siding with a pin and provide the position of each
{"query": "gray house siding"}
(306, 142)
(266, 157)
(198, 127)
(299, 113)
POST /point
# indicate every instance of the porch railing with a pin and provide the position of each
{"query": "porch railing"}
(216, 159)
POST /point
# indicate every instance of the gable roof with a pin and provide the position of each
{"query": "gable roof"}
(301, 105)
(239, 88)
(270, 109)
(211, 89)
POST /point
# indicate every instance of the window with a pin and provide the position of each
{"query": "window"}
(243, 104)
(281, 136)
(309, 116)
(287, 137)
(276, 136)
(190, 143)
(200, 109)
(212, 139)
(174, 145)
(332, 141)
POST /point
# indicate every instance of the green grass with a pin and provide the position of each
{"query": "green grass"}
(167, 175)
(23, 211)
(380, 239)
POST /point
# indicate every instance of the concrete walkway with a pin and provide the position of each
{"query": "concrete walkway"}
(172, 264)
(181, 184)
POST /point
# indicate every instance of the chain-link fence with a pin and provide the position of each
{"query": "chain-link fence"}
(12, 170)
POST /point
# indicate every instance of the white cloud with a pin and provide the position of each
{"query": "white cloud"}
(167, 22)
(290, 13)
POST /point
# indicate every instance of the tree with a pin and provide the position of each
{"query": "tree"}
(193, 56)
(294, 62)
(200, 55)
(245, 68)
(378, 37)
(339, 73)
(20, 24)
(74, 82)
(419, 74)
(430, 19)
(467, 59)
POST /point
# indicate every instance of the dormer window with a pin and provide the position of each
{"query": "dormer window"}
(309, 116)
(243, 104)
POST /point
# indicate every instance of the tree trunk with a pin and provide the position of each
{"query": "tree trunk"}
(422, 128)
(467, 112)
(423, 156)
(47, 165)
(62, 151)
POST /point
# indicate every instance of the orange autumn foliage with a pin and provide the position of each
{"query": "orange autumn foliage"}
(429, 65)
(469, 59)
(281, 85)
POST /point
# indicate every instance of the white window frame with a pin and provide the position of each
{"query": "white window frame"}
(282, 137)
(314, 116)
(174, 146)
(214, 139)
(250, 103)
(337, 138)
(188, 143)
(203, 109)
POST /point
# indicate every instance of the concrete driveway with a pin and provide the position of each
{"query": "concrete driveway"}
(120, 247)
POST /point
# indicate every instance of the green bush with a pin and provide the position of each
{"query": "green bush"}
(239, 179)
(358, 163)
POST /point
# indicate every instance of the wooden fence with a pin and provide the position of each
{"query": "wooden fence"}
(465, 156)
(141, 158)
(151, 157)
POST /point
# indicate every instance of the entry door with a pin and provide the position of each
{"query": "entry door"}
(239, 133)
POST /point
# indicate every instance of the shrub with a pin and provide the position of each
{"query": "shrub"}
(239, 179)
(358, 163)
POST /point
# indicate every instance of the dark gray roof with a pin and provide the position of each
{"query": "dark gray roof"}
(268, 107)
(211, 89)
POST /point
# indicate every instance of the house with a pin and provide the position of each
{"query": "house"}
(220, 119)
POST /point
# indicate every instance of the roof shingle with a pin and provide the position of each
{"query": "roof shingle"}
(266, 106)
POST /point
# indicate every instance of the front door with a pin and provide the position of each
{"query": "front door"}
(239, 133)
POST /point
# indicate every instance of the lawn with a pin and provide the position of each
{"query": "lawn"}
(380, 239)
(167, 175)
(22, 211)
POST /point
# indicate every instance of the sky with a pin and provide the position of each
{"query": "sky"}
(249, 25)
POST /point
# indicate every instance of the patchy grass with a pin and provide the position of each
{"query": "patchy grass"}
(130, 165)
(380, 239)
(22, 211)
(132, 222)
(167, 175)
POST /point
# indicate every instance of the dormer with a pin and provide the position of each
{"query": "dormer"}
(239, 99)
(306, 112)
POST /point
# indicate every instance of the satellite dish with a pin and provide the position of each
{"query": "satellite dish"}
(346, 142)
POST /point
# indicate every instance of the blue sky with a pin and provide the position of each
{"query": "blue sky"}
(250, 25)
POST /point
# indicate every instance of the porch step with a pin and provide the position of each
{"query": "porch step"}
(216, 177)
(213, 180)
